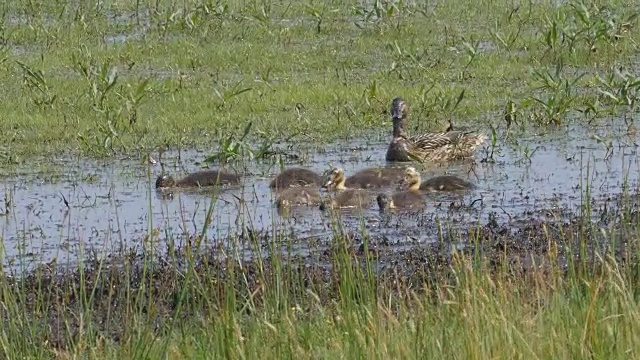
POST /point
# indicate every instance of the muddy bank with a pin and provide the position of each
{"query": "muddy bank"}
(104, 298)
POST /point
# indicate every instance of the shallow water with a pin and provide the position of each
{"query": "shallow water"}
(114, 205)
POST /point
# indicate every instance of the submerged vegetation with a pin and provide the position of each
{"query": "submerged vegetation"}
(117, 79)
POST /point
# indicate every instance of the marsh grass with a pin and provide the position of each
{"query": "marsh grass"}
(121, 78)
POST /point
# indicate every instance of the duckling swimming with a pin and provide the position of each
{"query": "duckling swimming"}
(409, 199)
(400, 201)
(198, 179)
(438, 183)
(344, 197)
(295, 177)
(446, 183)
(298, 196)
(364, 179)
(351, 198)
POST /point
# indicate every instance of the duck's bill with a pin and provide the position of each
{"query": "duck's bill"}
(396, 114)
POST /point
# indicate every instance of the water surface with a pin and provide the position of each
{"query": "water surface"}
(114, 205)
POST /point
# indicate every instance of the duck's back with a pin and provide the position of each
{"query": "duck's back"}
(299, 196)
(352, 198)
(375, 178)
(408, 200)
(446, 183)
(209, 178)
(295, 177)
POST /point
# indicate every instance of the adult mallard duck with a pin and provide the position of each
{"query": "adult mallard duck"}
(437, 146)
(198, 179)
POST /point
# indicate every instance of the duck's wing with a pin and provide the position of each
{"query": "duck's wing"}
(429, 141)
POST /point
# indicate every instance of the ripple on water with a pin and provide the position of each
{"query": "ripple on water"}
(120, 208)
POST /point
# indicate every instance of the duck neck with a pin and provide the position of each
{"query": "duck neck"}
(340, 185)
(398, 128)
(414, 185)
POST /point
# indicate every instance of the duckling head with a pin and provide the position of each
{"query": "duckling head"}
(411, 179)
(385, 202)
(399, 109)
(165, 181)
(336, 179)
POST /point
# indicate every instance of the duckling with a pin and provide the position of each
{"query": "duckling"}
(364, 179)
(198, 179)
(298, 196)
(438, 183)
(411, 198)
(351, 198)
(295, 177)
(344, 197)
(439, 146)
(400, 201)
(446, 183)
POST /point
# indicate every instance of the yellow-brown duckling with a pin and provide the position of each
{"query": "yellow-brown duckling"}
(438, 183)
(437, 146)
(198, 179)
(344, 197)
(364, 179)
(296, 176)
(409, 199)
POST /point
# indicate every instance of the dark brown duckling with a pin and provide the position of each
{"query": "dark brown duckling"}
(199, 179)
(446, 183)
(298, 196)
(351, 198)
(295, 177)
(404, 200)
(364, 179)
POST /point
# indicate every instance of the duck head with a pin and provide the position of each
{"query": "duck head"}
(384, 202)
(399, 109)
(335, 179)
(411, 179)
(165, 181)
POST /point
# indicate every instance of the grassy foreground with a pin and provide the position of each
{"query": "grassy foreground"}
(124, 77)
(549, 290)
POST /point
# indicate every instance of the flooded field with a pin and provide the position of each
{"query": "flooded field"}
(114, 207)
